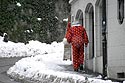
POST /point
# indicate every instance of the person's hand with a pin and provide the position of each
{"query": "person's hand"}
(65, 41)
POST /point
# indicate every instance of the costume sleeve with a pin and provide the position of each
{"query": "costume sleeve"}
(68, 26)
(68, 32)
(85, 37)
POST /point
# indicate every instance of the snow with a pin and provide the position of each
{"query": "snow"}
(65, 19)
(18, 4)
(42, 62)
(56, 17)
(39, 19)
(70, 1)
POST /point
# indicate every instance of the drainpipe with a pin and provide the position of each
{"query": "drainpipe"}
(104, 40)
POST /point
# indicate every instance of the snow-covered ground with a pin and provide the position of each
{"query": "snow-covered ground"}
(43, 63)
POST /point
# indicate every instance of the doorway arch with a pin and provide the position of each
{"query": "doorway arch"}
(89, 22)
(79, 16)
(98, 22)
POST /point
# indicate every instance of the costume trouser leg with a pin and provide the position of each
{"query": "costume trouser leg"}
(81, 53)
(78, 56)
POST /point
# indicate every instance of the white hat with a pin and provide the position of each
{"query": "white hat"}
(76, 23)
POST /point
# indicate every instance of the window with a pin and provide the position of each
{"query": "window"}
(120, 11)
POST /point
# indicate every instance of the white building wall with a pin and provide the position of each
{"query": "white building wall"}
(116, 41)
(80, 4)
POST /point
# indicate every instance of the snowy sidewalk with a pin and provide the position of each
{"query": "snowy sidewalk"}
(49, 68)
(46, 78)
(44, 63)
(52, 73)
(34, 71)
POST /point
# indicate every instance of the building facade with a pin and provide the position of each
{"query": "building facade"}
(105, 25)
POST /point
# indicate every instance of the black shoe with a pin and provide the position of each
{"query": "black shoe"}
(76, 70)
(81, 67)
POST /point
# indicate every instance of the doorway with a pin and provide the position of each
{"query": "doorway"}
(101, 43)
(89, 17)
(79, 16)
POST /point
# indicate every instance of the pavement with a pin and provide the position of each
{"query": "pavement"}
(5, 64)
(85, 72)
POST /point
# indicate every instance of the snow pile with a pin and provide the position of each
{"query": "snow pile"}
(11, 49)
(44, 65)
(47, 68)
